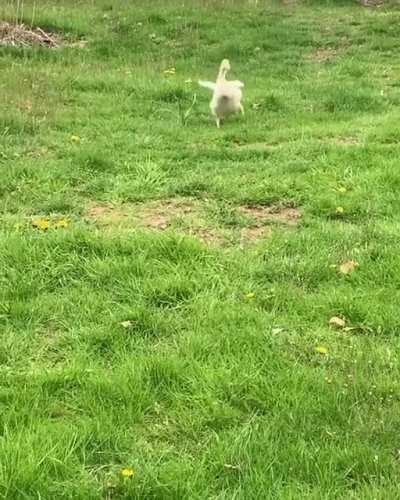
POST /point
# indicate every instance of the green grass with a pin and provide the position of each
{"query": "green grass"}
(214, 389)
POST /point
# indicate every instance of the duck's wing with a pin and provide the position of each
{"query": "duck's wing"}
(207, 85)
(237, 83)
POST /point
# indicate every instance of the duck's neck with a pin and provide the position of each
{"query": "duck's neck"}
(222, 74)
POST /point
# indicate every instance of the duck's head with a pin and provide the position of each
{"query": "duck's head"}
(225, 65)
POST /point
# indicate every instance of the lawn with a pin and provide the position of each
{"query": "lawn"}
(168, 288)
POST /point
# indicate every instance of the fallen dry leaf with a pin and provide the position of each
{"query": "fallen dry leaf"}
(232, 466)
(339, 210)
(250, 295)
(348, 266)
(75, 138)
(336, 322)
(126, 324)
(321, 349)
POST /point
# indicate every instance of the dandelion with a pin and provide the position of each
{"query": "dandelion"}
(42, 224)
(128, 472)
(62, 223)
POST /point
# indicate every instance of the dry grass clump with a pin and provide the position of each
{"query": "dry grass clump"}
(19, 35)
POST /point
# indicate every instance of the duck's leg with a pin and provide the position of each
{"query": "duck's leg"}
(215, 113)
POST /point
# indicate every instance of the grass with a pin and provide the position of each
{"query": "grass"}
(192, 360)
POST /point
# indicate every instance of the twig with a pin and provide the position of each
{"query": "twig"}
(46, 36)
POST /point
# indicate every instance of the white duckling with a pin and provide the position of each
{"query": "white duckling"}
(227, 95)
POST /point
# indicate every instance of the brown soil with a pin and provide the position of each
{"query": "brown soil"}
(187, 216)
(272, 213)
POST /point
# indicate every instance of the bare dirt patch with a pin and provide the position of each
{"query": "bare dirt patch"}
(209, 235)
(258, 146)
(190, 217)
(272, 213)
(328, 53)
(162, 214)
(19, 35)
(344, 141)
(183, 215)
(371, 3)
(322, 55)
(347, 141)
(106, 214)
(254, 234)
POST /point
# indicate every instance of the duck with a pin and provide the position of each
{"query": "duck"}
(227, 94)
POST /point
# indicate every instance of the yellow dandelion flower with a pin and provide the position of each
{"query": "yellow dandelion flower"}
(42, 224)
(62, 223)
(127, 472)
